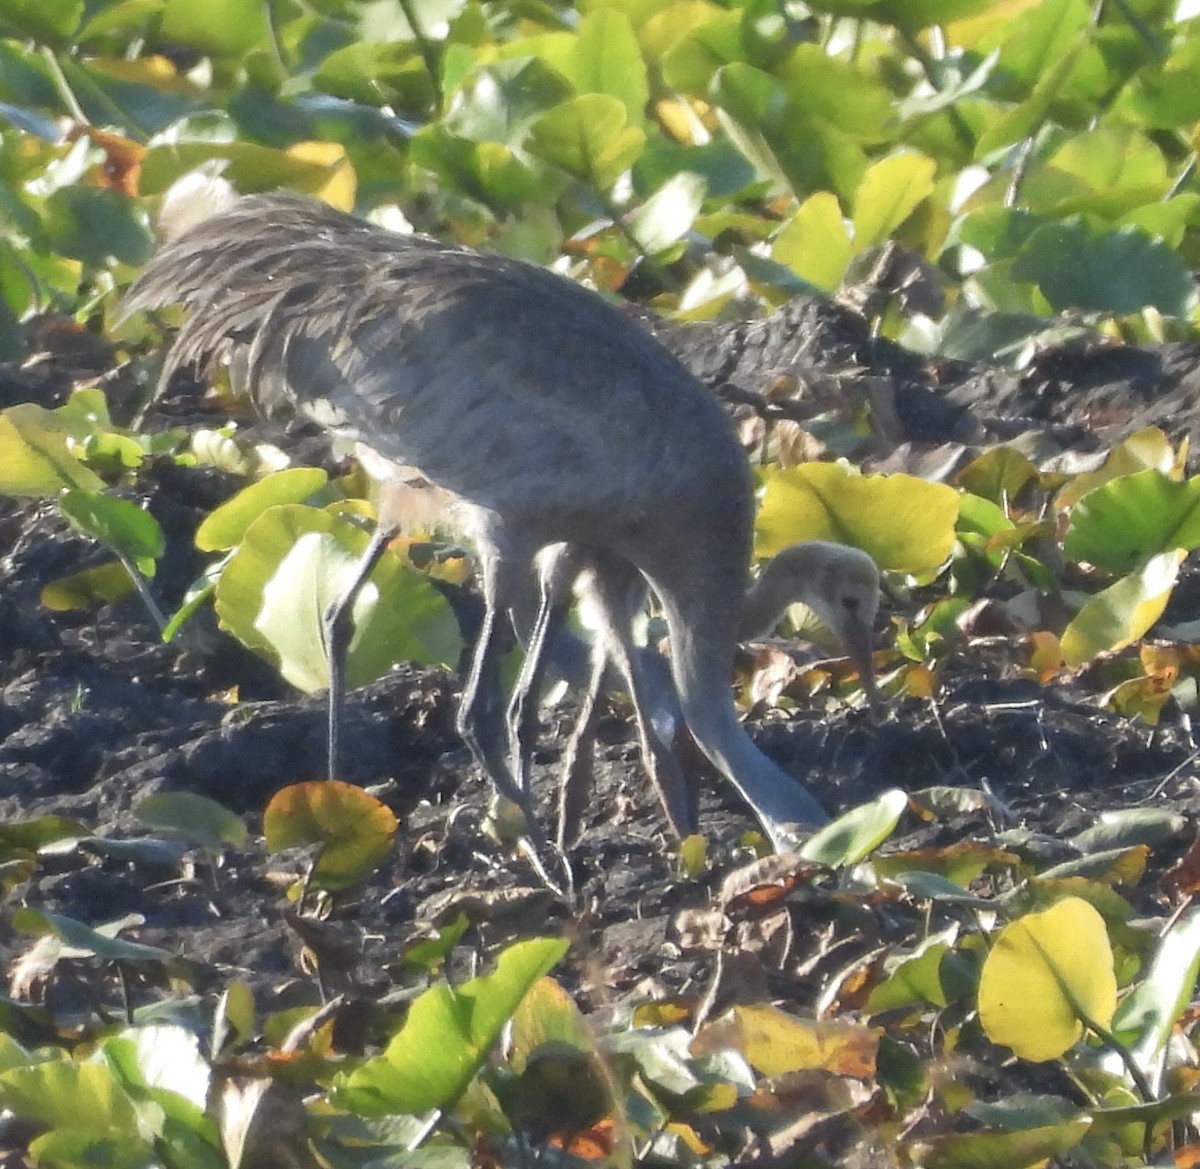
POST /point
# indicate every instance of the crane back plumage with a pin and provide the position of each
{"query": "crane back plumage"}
(546, 412)
(511, 387)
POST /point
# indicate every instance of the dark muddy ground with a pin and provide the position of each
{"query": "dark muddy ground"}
(96, 713)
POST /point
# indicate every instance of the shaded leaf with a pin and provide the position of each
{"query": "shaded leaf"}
(353, 830)
(194, 817)
(1078, 266)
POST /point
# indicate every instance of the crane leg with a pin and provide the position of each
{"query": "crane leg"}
(339, 629)
(481, 720)
(620, 591)
(578, 771)
(557, 568)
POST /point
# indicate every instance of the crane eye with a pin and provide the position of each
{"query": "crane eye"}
(850, 604)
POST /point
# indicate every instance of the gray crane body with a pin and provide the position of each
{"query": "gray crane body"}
(549, 415)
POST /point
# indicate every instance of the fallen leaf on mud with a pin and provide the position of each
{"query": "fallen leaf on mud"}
(776, 1042)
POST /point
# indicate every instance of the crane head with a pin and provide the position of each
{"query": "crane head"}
(840, 585)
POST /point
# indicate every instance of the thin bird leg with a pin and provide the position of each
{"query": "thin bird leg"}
(557, 567)
(578, 772)
(481, 709)
(339, 630)
(619, 592)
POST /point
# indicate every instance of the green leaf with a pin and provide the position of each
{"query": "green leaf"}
(1079, 266)
(97, 226)
(1124, 522)
(122, 525)
(1027, 118)
(399, 616)
(998, 475)
(891, 190)
(36, 454)
(905, 523)
(86, 941)
(353, 829)
(22, 836)
(224, 28)
(1165, 96)
(857, 833)
(998, 1150)
(589, 138)
(1148, 1014)
(82, 1097)
(194, 817)
(447, 1037)
(1126, 827)
(1045, 973)
(52, 22)
(606, 58)
(225, 526)
(914, 976)
(814, 243)
(1123, 612)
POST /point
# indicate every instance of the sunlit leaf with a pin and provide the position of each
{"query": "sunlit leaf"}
(400, 616)
(226, 28)
(606, 58)
(589, 138)
(815, 243)
(49, 21)
(1122, 524)
(1149, 1013)
(1045, 974)
(225, 526)
(1123, 612)
(905, 523)
(889, 193)
(776, 1042)
(857, 833)
(667, 216)
(341, 184)
(36, 456)
(447, 1036)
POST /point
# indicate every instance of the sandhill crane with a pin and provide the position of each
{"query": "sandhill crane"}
(546, 413)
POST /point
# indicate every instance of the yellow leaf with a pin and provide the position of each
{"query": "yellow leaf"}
(814, 243)
(891, 190)
(776, 1042)
(340, 186)
(1123, 612)
(905, 523)
(1045, 973)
